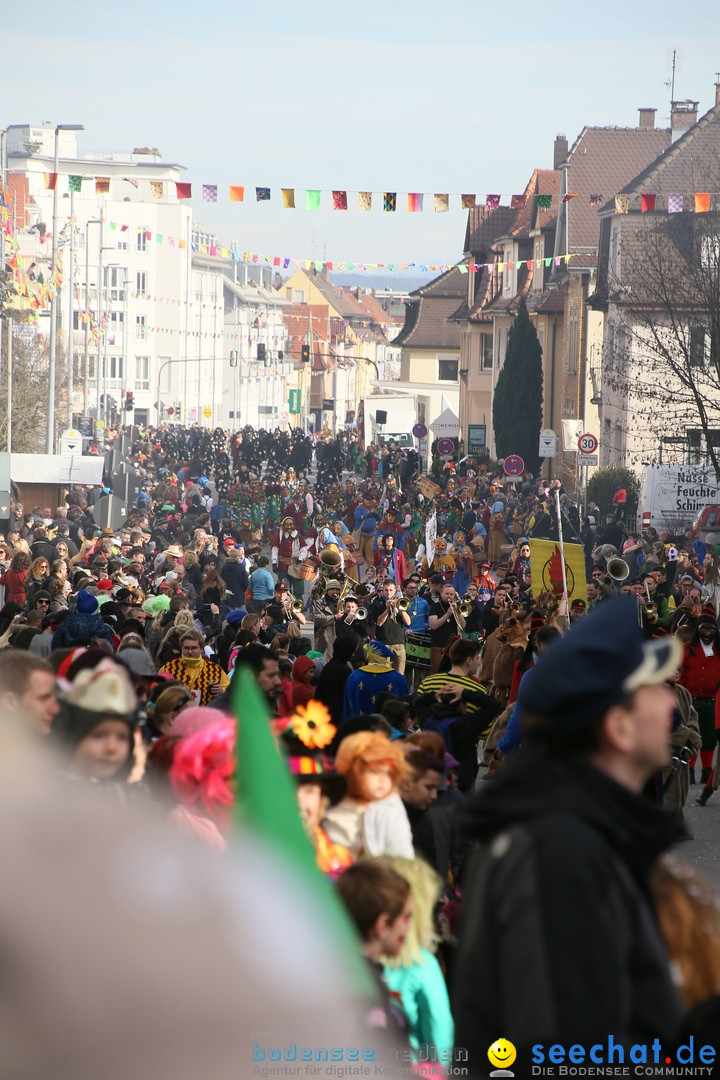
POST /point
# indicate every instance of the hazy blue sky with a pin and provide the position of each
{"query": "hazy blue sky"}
(405, 96)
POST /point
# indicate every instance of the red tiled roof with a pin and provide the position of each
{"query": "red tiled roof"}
(602, 160)
(429, 310)
(686, 166)
(484, 226)
(299, 318)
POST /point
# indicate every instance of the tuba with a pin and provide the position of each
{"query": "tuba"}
(617, 571)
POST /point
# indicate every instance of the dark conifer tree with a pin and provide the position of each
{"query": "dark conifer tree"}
(517, 402)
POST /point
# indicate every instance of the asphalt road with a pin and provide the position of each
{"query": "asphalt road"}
(704, 822)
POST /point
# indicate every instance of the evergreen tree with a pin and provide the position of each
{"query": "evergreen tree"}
(517, 402)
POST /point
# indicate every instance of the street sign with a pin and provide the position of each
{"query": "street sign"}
(207, 411)
(71, 442)
(445, 447)
(588, 460)
(587, 443)
(419, 431)
(548, 443)
(285, 415)
(514, 465)
(294, 401)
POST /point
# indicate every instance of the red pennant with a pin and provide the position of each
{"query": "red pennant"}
(647, 203)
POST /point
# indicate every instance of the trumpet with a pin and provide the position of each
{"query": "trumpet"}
(403, 604)
(649, 607)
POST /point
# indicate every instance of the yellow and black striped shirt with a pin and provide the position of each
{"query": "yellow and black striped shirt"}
(433, 683)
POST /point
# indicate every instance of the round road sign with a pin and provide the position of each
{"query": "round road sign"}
(514, 465)
(587, 443)
(445, 447)
(420, 431)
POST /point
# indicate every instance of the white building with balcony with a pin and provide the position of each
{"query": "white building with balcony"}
(145, 311)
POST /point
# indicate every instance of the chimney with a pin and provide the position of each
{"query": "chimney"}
(717, 93)
(683, 114)
(560, 150)
(646, 118)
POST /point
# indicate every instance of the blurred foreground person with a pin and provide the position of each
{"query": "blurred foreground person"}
(560, 941)
(172, 962)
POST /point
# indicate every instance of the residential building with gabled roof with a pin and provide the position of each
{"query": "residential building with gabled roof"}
(657, 260)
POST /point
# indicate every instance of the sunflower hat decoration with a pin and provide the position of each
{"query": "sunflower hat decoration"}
(312, 725)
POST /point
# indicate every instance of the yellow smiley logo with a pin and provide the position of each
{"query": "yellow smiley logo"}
(502, 1053)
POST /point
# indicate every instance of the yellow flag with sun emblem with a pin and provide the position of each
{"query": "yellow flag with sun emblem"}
(546, 567)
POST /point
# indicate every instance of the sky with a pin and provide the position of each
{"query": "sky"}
(456, 97)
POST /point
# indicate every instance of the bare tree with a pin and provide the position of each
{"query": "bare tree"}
(661, 360)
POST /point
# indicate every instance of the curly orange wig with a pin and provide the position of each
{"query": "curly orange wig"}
(356, 752)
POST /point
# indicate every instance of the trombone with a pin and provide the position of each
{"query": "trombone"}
(650, 607)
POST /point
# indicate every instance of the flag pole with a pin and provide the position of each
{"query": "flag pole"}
(566, 613)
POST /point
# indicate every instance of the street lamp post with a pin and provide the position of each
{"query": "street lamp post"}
(50, 438)
(86, 361)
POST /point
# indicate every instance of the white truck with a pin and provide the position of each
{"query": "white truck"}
(672, 495)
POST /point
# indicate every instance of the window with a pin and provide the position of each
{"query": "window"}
(697, 346)
(142, 240)
(447, 369)
(507, 273)
(142, 372)
(486, 352)
(115, 282)
(140, 328)
(141, 282)
(572, 340)
(538, 265)
(614, 248)
(299, 296)
(122, 245)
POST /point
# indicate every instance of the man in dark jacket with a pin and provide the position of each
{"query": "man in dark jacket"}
(560, 943)
(84, 626)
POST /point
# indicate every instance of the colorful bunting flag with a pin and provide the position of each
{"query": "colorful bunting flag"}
(209, 192)
(647, 203)
(442, 203)
(75, 183)
(237, 193)
(570, 195)
(50, 181)
(702, 202)
(467, 202)
(262, 194)
(312, 199)
(390, 202)
(517, 202)
(364, 200)
(340, 200)
(544, 202)
(596, 200)
(157, 189)
(184, 191)
(102, 185)
(675, 204)
(492, 202)
(415, 202)
(131, 180)
(622, 204)
(288, 197)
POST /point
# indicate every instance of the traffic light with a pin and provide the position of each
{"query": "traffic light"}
(129, 403)
(233, 358)
(261, 352)
(305, 354)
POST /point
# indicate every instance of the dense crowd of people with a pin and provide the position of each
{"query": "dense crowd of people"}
(490, 775)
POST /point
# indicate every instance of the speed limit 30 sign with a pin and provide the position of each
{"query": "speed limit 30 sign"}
(587, 443)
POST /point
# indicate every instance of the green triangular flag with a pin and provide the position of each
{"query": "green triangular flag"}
(266, 803)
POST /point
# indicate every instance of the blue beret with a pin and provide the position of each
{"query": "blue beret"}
(601, 660)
